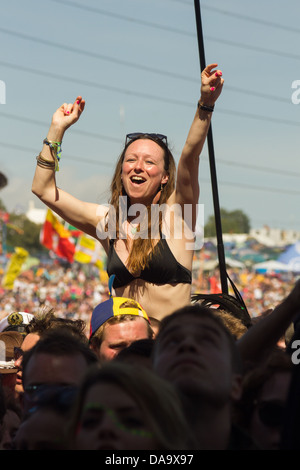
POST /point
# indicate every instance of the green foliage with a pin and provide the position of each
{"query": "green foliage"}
(23, 233)
(232, 222)
(2, 206)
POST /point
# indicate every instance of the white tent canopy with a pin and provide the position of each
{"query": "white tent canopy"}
(271, 265)
(213, 264)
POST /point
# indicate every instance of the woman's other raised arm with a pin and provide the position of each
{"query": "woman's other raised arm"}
(187, 186)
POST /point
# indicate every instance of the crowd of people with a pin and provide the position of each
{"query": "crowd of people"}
(74, 291)
(146, 359)
(202, 378)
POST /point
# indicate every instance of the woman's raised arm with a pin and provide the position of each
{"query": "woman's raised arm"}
(82, 215)
(187, 186)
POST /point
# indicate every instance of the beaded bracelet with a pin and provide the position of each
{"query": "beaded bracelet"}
(205, 107)
(55, 150)
(44, 163)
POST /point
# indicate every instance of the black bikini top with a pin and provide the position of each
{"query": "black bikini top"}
(163, 268)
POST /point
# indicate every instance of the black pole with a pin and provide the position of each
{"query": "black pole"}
(211, 153)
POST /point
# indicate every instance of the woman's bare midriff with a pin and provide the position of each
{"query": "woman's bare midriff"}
(157, 300)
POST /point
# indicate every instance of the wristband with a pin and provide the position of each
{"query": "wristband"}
(56, 148)
(205, 107)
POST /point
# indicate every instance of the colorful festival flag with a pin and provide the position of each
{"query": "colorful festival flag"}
(55, 237)
(75, 233)
(89, 250)
(14, 267)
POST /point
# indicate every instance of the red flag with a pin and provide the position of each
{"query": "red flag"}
(4, 216)
(56, 238)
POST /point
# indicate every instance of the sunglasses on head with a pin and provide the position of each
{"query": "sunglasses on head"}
(136, 135)
(271, 413)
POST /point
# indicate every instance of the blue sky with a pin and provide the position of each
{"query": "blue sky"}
(136, 63)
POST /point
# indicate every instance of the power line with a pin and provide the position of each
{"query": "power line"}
(143, 67)
(124, 17)
(239, 16)
(186, 33)
(251, 19)
(163, 99)
(259, 168)
(111, 88)
(161, 72)
(85, 52)
(21, 148)
(286, 55)
(27, 120)
(257, 117)
(140, 21)
(112, 164)
(256, 188)
(138, 66)
(112, 139)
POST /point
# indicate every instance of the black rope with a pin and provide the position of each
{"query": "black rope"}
(220, 246)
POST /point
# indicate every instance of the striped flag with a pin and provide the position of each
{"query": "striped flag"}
(89, 250)
(55, 237)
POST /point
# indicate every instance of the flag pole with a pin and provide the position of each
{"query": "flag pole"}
(220, 246)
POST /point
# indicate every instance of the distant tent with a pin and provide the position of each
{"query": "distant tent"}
(291, 257)
(271, 266)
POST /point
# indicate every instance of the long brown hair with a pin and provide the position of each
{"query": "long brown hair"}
(142, 247)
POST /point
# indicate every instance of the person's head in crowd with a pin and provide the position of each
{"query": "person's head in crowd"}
(139, 352)
(43, 322)
(196, 352)
(9, 341)
(44, 425)
(11, 423)
(194, 333)
(233, 306)
(115, 324)
(234, 325)
(47, 320)
(58, 359)
(262, 405)
(126, 407)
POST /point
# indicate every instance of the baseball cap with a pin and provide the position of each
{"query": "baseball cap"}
(16, 321)
(112, 307)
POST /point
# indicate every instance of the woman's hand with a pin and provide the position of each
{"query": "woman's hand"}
(211, 85)
(68, 114)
